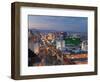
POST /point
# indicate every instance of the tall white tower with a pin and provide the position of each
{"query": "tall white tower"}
(84, 46)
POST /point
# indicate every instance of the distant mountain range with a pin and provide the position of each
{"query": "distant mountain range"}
(42, 30)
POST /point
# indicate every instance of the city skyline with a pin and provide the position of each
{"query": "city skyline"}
(59, 23)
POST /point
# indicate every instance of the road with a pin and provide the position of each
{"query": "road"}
(58, 53)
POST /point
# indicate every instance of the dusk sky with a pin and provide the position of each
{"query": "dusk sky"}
(60, 23)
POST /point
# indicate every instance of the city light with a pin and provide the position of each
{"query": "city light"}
(62, 48)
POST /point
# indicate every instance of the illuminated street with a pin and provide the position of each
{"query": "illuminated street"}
(51, 53)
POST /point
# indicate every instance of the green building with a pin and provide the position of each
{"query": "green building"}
(72, 41)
